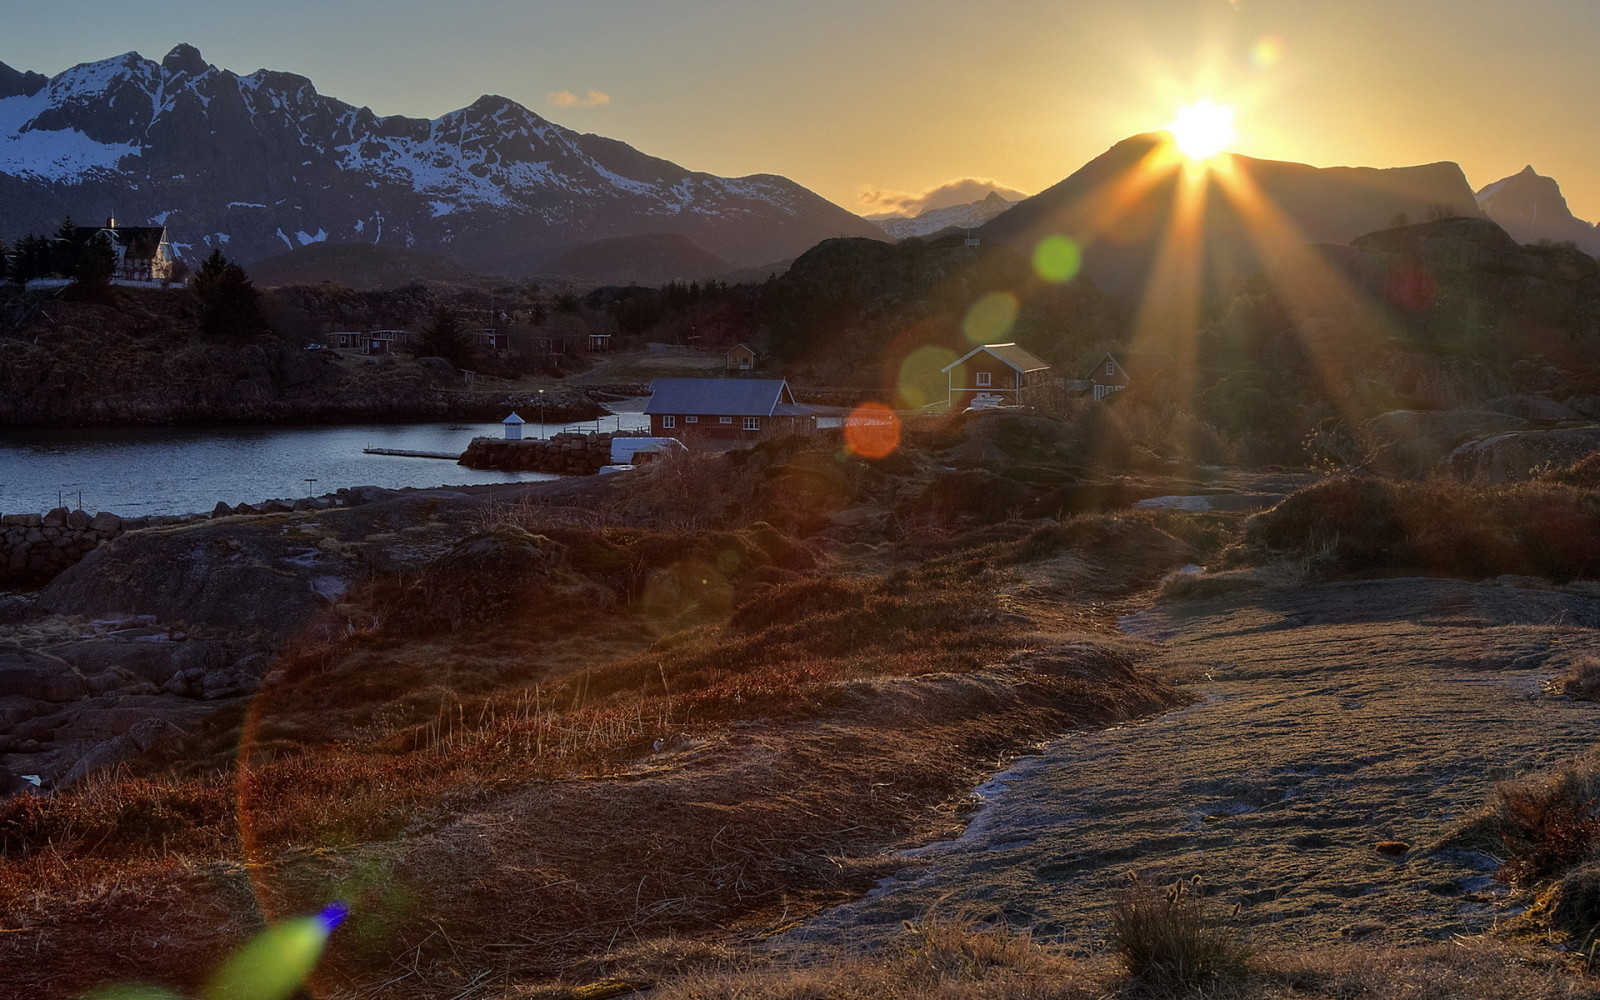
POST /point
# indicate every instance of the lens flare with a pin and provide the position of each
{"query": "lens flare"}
(921, 377)
(1057, 258)
(1267, 51)
(134, 991)
(1202, 130)
(990, 318)
(872, 431)
(277, 962)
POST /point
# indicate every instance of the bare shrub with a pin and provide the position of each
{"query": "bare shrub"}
(1548, 823)
(1170, 938)
(1583, 681)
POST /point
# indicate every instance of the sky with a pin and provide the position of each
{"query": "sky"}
(878, 103)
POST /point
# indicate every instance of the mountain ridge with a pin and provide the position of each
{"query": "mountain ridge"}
(260, 163)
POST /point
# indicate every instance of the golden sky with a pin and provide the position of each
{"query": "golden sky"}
(857, 99)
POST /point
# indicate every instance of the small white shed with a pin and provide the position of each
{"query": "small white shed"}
(513, 425)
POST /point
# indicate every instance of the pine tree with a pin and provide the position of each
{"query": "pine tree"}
(31, 259)
(64, 250)
(96, 265)
(444, 337)
(231, 306)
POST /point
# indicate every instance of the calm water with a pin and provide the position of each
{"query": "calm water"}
(178, 470)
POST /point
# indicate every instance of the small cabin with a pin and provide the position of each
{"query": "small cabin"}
(513, 426)
(741, 358)
(729, 409)
(994, 375)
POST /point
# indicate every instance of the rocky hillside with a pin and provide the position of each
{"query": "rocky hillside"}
(263, 163)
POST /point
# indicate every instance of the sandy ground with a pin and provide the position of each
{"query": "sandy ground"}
(1331, 718)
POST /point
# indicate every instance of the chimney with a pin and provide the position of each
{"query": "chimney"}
(111, 222)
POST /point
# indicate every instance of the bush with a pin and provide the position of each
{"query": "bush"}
(1547, 824)
(1169, 938)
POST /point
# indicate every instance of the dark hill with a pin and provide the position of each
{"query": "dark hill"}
(1122, 204)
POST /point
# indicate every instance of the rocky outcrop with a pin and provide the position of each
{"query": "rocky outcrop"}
(569, 454)
(1414, 442)
(1523, 454)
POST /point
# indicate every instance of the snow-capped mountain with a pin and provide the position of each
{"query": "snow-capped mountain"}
(1530, 207)
(260, 163)
(968, 216)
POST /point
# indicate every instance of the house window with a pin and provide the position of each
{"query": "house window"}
(752, 423)
(1111, 367)
(983, 380)
(668, 422)
(724, 420)
(691, 419)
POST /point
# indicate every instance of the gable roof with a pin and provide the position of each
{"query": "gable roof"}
(1011, 354)
(145, 239)
(722, 397)
(1134, 362)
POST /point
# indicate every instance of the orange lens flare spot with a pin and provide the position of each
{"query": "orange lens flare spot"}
(1057, 258)
(872, 431)
(990, 318)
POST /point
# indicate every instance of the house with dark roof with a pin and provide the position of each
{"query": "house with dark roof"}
(1119, 368)
(730, 409)
(741, 358)
(144, 253)
(994, 375)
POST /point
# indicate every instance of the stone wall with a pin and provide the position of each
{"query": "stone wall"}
(35, 547)
(569, 454)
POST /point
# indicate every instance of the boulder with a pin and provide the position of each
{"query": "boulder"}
(485, 575)
(1521, 455)
(105, 522)
(1414, 442)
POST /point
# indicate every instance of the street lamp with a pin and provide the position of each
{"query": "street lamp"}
(541, 414)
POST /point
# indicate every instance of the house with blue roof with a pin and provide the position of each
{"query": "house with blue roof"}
(729, 409)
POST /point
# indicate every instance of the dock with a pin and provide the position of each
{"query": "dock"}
(409, 453)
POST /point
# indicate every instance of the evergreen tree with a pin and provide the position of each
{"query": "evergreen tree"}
(97, 264)
(230, 304)
(31, 259)
(444, 337)
(64, 250)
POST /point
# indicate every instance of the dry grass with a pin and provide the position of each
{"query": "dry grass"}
(1170, 938)
(1355, 525)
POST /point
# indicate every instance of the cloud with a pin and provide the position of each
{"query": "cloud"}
(567, 99)
(961, 191)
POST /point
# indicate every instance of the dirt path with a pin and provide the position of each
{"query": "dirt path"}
(1331, 718)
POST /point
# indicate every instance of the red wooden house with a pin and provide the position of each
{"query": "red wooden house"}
(994, 375)
(725, 408)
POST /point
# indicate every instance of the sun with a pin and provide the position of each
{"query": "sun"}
(1202, 130)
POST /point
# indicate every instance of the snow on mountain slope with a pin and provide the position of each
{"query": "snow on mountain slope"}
(968, 216)
(256, 161)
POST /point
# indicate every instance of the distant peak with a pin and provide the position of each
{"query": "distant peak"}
(995, 198)
(185, 58)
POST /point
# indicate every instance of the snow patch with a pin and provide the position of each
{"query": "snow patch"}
(286, 240)
(160, 218)
(306, 239)
(65, 156)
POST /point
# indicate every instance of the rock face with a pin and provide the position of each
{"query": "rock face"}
(262, 163)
